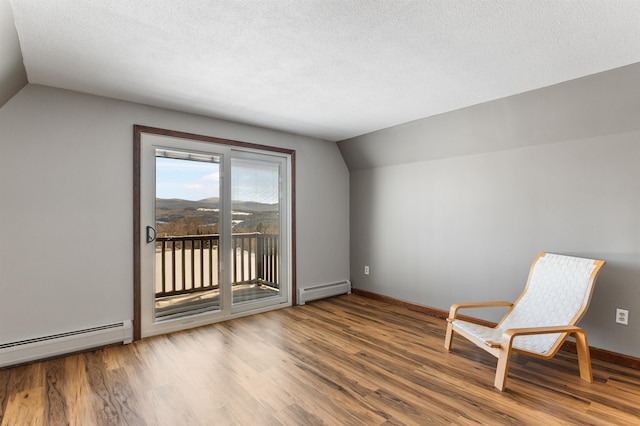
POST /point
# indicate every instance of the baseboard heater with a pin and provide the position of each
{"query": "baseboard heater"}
(324, 290)
(59, 344)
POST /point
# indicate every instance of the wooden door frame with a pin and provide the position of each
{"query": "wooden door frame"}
(138, 130)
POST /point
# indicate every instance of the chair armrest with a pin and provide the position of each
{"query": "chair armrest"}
(453, 312)
(543, 330)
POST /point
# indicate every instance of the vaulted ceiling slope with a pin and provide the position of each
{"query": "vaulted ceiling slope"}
(12, 74)
(330, 69)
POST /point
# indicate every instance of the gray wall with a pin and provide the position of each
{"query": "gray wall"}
(66, 209)
(455, 207)
(13, 76)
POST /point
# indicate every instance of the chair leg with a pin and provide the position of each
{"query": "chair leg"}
(584, 357)
(502, 368)
(448, 337)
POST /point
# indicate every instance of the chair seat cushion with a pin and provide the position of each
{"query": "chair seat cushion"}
(538, 343)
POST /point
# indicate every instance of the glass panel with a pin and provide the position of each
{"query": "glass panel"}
(255, 197)
(187, 213)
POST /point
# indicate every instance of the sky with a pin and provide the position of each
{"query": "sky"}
(188, 180)
(195, 180)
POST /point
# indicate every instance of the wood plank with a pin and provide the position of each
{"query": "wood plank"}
(25, 408)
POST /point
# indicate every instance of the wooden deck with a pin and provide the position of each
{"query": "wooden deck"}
(348, 360)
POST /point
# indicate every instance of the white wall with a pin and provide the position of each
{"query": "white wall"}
(66, 215)
(463, 202)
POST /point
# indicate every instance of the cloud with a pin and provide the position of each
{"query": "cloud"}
(205, 187)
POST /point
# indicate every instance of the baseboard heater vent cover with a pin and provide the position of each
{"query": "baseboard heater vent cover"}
(322, 291)
(58, 344)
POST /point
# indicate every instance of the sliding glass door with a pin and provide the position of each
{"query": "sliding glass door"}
(215, 224)
(255, 202)
(187, 222)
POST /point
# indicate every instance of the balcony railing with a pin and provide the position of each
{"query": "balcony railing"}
(189, 264)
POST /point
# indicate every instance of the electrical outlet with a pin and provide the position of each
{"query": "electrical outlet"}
(366, 270)
(622, 316)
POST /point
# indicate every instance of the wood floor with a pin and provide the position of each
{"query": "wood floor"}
(343, 361)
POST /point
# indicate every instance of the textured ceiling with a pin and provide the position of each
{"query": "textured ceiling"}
(323, 68)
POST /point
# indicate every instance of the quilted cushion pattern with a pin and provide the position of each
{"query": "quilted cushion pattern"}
(558, 288)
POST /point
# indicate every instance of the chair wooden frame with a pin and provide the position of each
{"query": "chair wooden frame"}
(502, 349)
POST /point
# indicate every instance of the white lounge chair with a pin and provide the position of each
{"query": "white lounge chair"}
(557, 295)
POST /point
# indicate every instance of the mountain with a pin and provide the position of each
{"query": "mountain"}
(170, 210)
(243, 206)
(212, 203)
(179, 204)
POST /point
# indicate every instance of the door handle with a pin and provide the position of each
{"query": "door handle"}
(151, 234)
